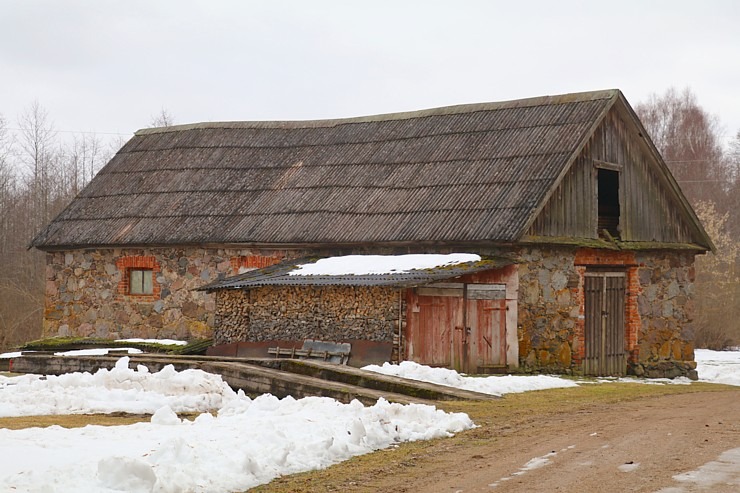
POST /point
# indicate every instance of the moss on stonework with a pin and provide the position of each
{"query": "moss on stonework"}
(71, 343)
(568, 241)
(613, 244)
(656, 245)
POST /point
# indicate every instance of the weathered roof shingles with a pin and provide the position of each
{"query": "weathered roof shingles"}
(458, 174)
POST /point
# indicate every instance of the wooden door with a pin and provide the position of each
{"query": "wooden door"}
(604, 324)
(460, 326)
(486, 327)
(432, 333)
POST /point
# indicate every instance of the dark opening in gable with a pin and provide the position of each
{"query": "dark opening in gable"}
(608, 197)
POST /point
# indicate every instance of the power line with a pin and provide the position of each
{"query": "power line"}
(692, 161)
(74, 131)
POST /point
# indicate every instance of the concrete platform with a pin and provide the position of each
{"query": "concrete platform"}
(280, 377)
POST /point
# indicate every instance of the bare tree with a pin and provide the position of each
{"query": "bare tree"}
(36, 142)
(39, 175)
(86, 156)
(689, 140)
(162, 119)
(718, 284)
(7, 185)
(733, 164)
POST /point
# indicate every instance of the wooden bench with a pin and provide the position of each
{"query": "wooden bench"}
(331, 352)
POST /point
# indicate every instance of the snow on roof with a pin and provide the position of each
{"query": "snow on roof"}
(359, 265)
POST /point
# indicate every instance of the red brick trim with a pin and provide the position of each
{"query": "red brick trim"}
(125, 264)
(253, 262)
(589, 257)
(606, 258)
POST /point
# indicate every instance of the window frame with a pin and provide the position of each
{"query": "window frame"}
(146, 290)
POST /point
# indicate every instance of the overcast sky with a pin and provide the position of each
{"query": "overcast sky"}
(110, 66)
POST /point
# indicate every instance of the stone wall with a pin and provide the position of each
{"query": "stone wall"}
(666, 308)
(658, 318)
(549, 307)
(87, 296)
(332, 313)
(86, 292)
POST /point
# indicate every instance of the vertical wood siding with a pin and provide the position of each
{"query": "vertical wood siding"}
(649, 211)
(604, 332)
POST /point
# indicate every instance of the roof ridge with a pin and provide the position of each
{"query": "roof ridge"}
(405, 115)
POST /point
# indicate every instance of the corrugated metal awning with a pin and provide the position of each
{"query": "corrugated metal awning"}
(279, 275)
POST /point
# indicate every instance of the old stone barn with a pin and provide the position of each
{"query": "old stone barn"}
(586, 243)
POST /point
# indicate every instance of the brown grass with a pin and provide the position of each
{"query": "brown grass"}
(78, 420)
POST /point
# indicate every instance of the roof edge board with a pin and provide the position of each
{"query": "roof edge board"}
(569, 164)
(667, 176)
(405, 115)
(409, 246)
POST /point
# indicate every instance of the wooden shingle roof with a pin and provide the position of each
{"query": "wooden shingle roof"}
(471, 173)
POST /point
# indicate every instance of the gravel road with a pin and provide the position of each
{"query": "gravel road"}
(636, 446)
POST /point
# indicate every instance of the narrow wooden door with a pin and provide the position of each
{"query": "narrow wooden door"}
(486, 327)
(604, 324)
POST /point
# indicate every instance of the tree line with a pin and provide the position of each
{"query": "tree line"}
(41, 172)
(691, 142)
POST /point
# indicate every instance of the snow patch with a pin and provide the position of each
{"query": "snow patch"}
(359, 265)
(718, 366)
(119, 389)
(725, 471)
(97, 351)
(494, 385)
(629, 467)
(164, 342)
(249, 442)
(126, 474)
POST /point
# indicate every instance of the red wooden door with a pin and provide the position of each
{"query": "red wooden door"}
(433, 335)
(486, 326)
(458, 326)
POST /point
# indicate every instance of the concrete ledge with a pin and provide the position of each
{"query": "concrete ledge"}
(278, 377)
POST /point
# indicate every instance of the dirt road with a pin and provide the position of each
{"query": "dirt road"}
(635, 446)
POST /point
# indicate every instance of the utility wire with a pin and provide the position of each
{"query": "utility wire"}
(73, 131)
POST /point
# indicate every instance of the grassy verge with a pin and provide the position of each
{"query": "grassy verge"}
(78, 420)
(493, 419)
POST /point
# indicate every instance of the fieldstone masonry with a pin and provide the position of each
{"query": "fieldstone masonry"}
(666, 308)
(549, 307)
(659, 309)
(86, 296)
(86, 291)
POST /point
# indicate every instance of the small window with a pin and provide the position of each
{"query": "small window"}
(140, 281)
(608, 202)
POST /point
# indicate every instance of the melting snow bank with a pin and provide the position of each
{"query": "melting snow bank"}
(713, 366)
(249, 443)
(119, 389)
(495, 385)
(718, 366)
